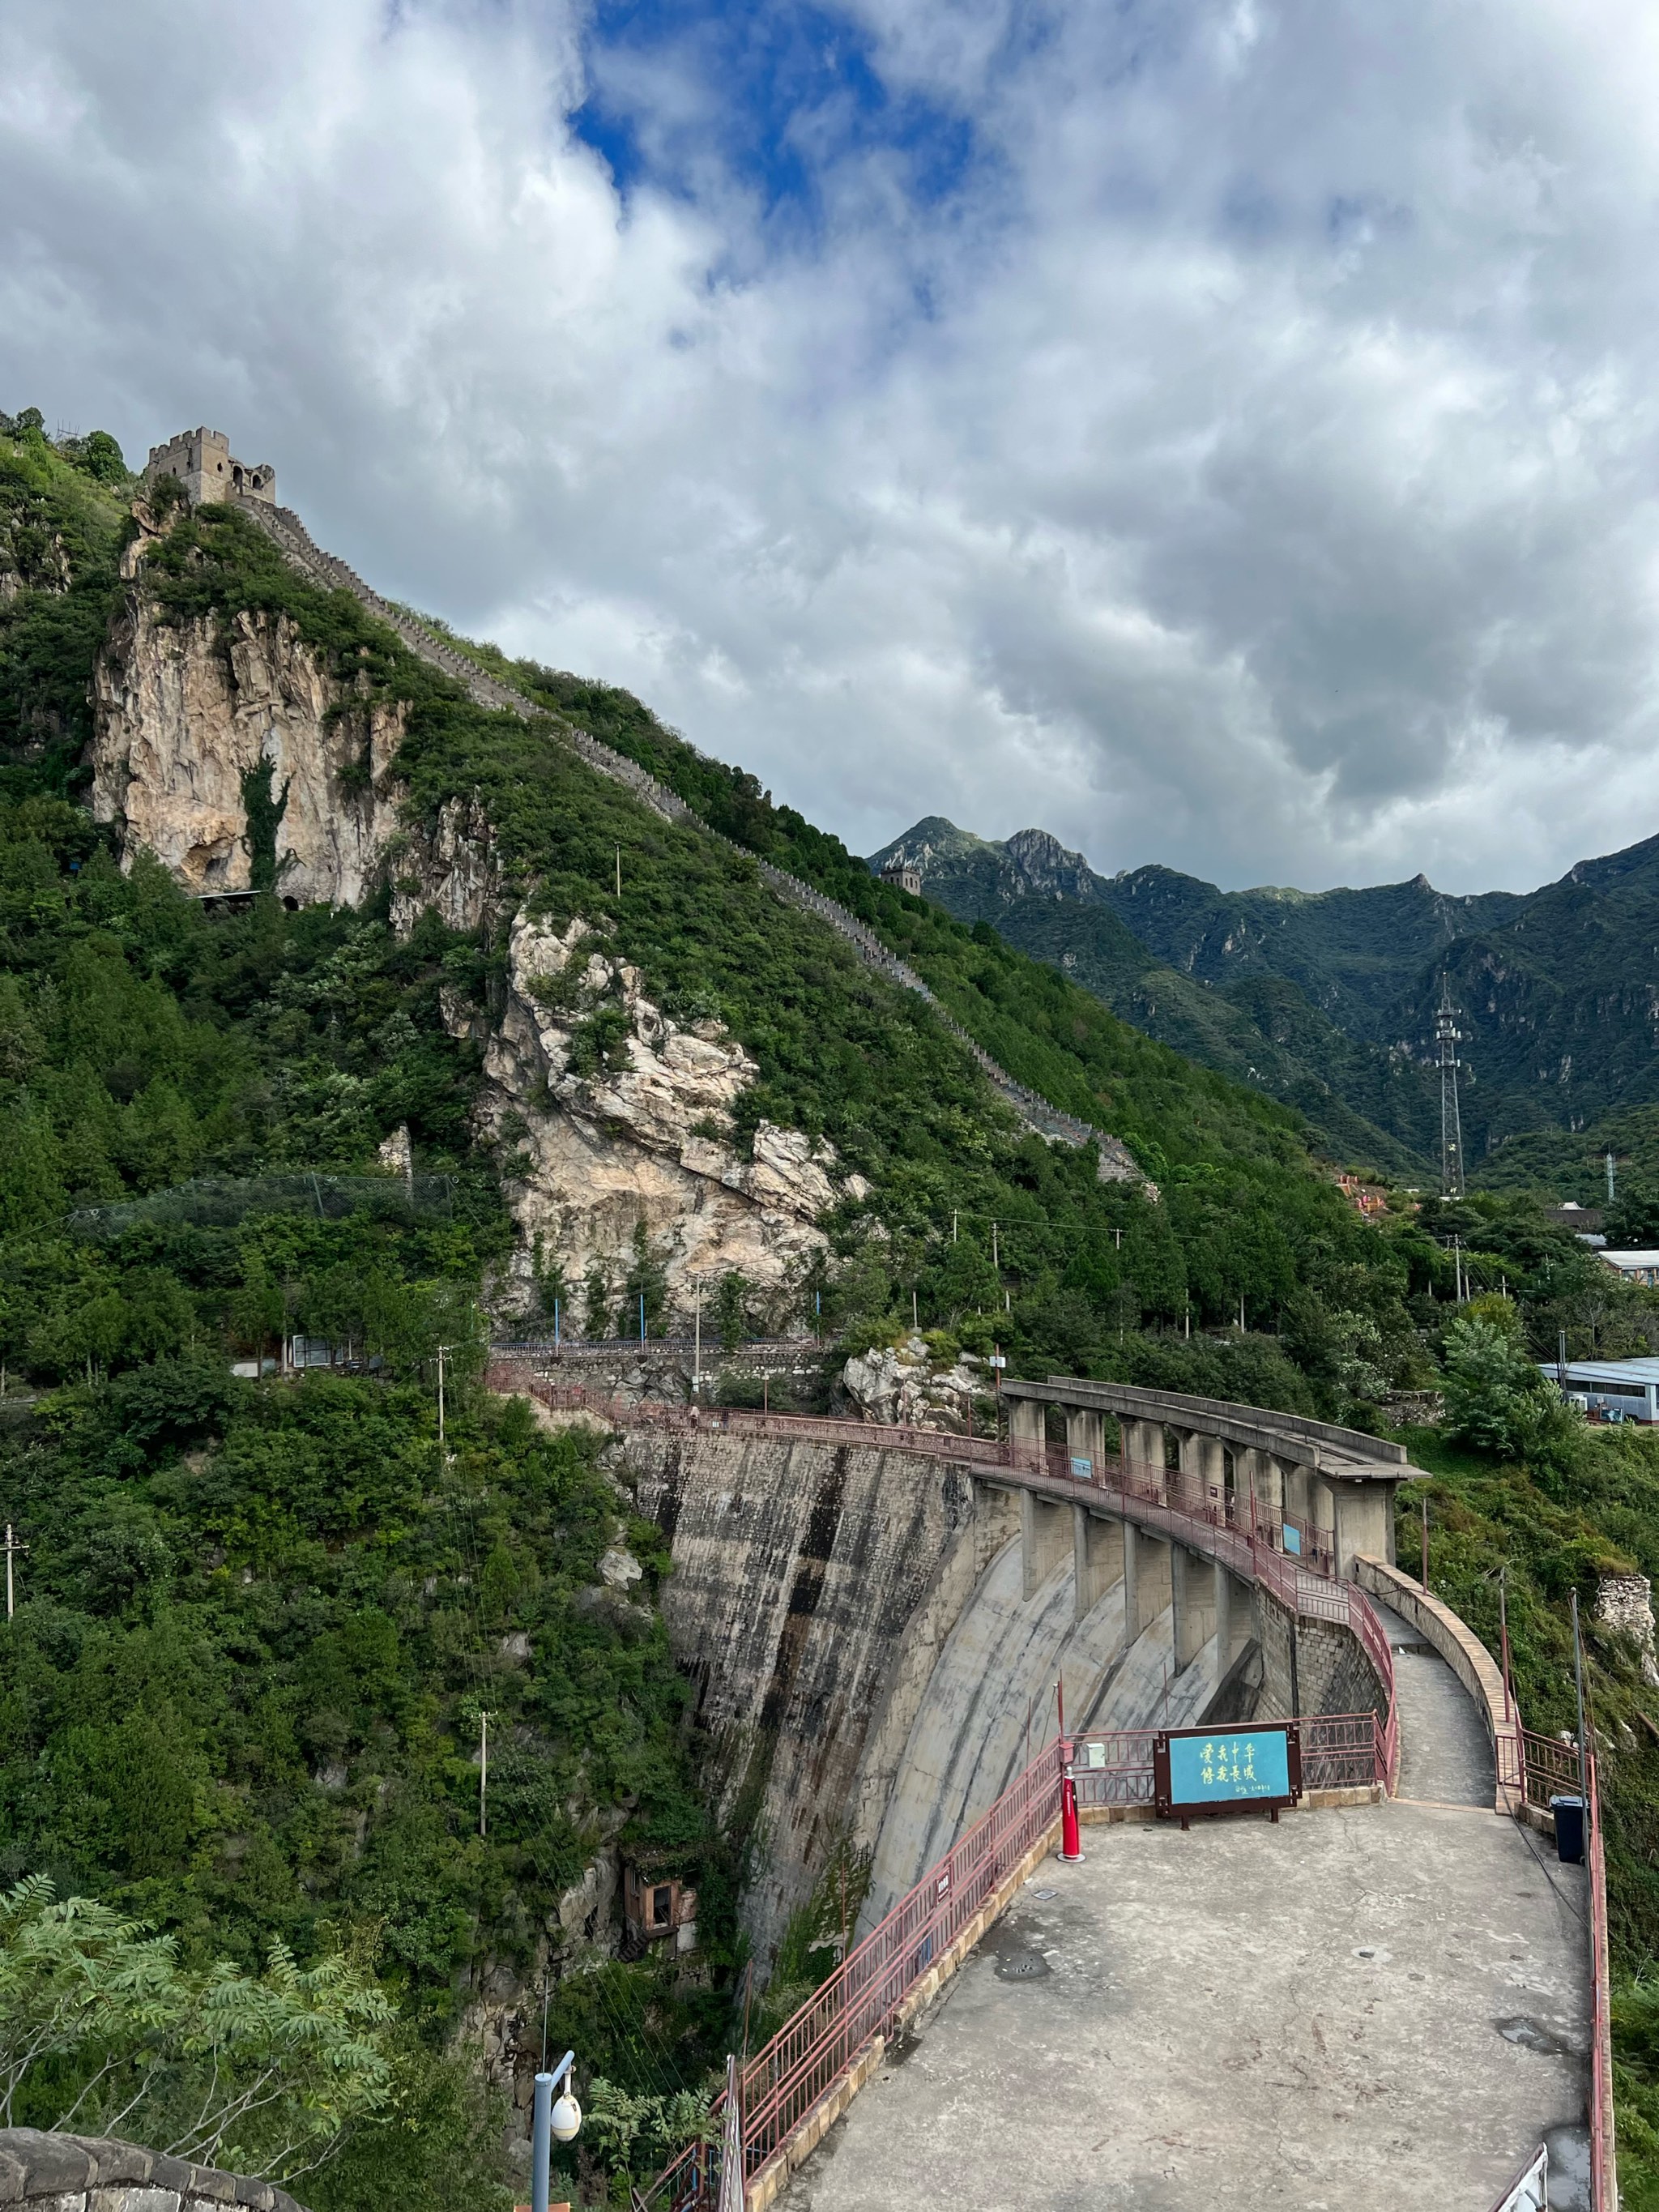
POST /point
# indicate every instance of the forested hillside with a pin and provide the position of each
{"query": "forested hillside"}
(1361, 1103)
(1327, 1000)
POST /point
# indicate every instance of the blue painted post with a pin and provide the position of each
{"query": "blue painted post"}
(641, 1317)
(541, 2142)
(555, 1325)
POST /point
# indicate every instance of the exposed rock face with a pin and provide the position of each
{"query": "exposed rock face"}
(1043, 868)
(638, 1133)
(904, 1382)
(184, 713)
(1625, 1603)
(627, 1121)
(450, 868)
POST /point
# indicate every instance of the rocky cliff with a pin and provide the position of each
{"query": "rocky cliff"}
(622, 1119)
(190, 716)
(610, 1115)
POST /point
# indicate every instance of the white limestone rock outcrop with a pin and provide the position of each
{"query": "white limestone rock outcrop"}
(182, 713)
(622, 1117)
(909, 1384)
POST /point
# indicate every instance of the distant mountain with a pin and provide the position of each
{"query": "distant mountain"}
(1327, 998)
(1363, 1103)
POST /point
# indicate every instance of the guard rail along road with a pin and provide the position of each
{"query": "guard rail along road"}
(289, 533)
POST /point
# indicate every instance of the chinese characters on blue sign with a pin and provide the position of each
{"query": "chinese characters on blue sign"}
(1083, 1469)
(1222, 1770)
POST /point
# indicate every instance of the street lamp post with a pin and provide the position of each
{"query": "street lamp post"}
(550, 2122)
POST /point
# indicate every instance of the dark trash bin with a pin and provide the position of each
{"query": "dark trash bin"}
(1569, 1814)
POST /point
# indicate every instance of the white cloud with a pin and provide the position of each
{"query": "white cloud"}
(1246, 464)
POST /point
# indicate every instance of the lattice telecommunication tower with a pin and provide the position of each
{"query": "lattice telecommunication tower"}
(1448, 1036)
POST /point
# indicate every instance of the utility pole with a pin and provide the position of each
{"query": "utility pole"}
(1426, 1543)
(697, 1337)
(13, 1549)
(1609, 1164)
(483, 1773)
(1578, 1692)
(442, 1349)
(619, 871)
(1447, 1036)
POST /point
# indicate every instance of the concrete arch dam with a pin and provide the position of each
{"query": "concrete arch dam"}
(873, 1628)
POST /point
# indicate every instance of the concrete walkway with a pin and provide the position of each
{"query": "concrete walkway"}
(1379, 2008)
(1444, 1756)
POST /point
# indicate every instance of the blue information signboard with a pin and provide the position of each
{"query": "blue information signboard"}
(1083, 1469)
(1223, 1769)
(1226, 1769)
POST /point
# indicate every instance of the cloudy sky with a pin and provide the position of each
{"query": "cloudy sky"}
(1222, 434)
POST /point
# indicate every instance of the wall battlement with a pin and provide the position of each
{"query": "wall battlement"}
(204, 464)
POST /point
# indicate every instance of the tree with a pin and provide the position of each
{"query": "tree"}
(1497, 1399)
(102, 2028)
(730, 1310)
(1632, 1222)
(647, 1279)
(596, 1301)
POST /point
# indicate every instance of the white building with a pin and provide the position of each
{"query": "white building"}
(1628, 1388)
(1635, 1266)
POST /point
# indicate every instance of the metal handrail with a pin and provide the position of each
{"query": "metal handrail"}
(1604, 2180)
(1182, 1502)
(823, 2041)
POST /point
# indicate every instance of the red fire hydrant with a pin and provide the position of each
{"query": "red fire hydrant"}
(1070, 1843)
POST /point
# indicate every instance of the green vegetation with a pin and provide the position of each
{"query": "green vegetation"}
(1312, 995)
(104, 2029)
(263, 1617)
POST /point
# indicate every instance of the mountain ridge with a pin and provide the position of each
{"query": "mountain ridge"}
(1331, 995)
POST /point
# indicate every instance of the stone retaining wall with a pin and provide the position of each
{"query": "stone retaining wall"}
(1333, 1672)
(97, 2174)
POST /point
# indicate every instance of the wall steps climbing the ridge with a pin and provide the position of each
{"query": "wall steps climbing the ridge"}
(281, 523)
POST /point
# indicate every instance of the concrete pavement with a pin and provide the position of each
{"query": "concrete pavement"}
(1382, 2007)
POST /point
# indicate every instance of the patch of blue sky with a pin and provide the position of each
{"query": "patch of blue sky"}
(775, 96)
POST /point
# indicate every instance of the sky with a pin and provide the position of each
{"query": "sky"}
(1222, 434)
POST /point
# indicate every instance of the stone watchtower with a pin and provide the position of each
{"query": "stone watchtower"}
(202, 460)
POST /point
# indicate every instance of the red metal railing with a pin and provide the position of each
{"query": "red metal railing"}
(862, 1998)
(815, 2050)
(1236, 1529)
(1536, 1767)
(1604, 2182)
(1112, 1767)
